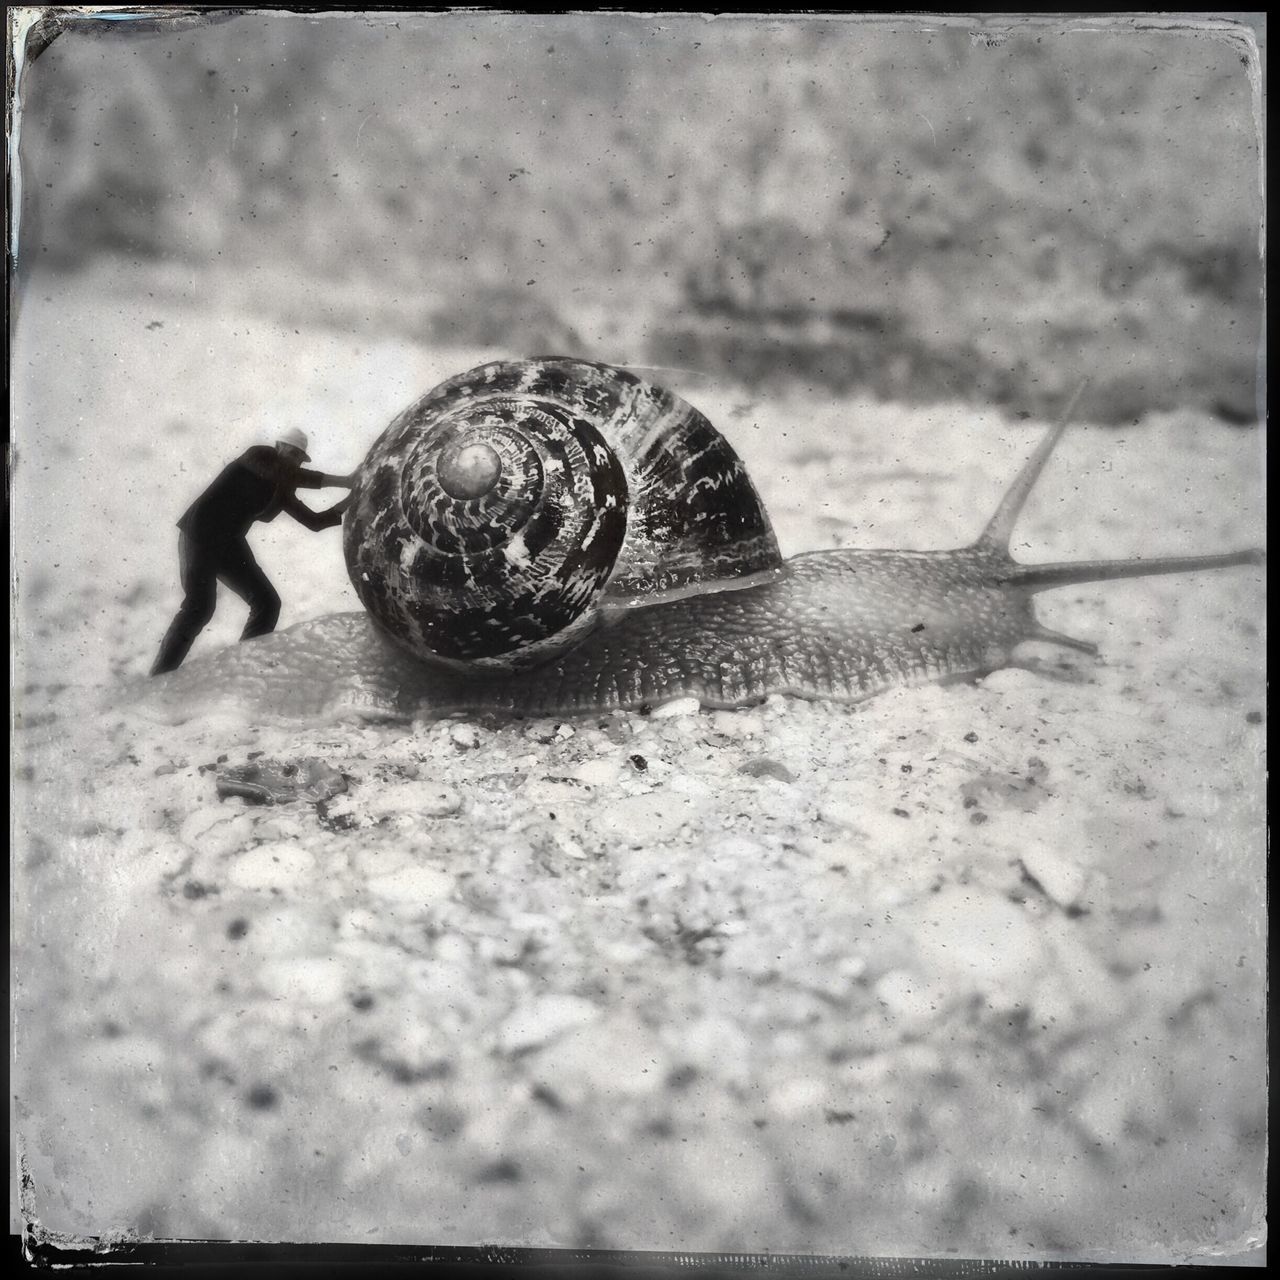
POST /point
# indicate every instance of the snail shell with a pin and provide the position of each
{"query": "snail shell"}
(496, 518)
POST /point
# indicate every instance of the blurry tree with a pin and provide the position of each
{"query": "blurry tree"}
(994, 199)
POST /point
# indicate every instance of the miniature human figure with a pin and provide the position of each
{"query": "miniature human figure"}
(213, 547)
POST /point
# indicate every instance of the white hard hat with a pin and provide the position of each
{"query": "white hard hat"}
(292, 436)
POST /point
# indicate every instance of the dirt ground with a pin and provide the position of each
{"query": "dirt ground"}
(973, 970)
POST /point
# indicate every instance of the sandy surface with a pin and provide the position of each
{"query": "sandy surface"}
(975, 969)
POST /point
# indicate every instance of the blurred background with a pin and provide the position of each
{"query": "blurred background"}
(910, 209)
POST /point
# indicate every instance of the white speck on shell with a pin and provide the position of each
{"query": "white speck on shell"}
(517, 553)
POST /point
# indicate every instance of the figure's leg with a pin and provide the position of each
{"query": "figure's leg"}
(242, 573)
(198, 567)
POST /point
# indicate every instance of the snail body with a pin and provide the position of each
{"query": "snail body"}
(555, 536)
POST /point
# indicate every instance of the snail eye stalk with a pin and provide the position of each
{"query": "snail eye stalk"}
(468, 471)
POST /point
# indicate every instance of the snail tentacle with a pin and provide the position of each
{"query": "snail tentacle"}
(999, 531)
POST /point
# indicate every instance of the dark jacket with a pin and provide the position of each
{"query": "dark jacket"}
(256, 486)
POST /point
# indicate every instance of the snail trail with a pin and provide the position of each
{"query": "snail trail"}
(555, 536)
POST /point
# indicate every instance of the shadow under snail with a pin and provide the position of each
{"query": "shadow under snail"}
(554, 536)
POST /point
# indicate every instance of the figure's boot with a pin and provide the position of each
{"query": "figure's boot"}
(174, 647)
(264, 613)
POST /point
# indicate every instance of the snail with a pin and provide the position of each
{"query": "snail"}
(551, 536)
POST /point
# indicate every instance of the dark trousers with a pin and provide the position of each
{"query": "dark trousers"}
(203, 566)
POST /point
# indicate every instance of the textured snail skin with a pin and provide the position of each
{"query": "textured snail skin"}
(838, 625)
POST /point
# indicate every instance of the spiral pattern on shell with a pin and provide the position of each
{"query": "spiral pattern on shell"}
(493, 516)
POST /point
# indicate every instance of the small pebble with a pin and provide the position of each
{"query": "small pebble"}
(229, 835)
(313, 980)
(413, 885)
(342, 814)
(273, 866)
(765, 768)
(641, 821)
(676, 707)
(737, 724)
(597, 773)
(616, 1056)
(195, 825)
(262, 1097)
(427, 799)
(465, 737)
(908, 998)
(380, 857)
(281, 781)
(551, 793)
(1196, 802)
(123, 1054)
(975, 939)
(1015, 680)
(1063, 881)
(569, 847)
(542, 1020)
(798, 1096)
(842, 814)
(548, 731)
(1103, 1111)
(499, 782)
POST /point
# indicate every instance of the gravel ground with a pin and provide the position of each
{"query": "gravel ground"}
(976, 969)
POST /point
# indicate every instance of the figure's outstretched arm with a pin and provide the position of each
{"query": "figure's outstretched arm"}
(323, 480)
(316, 520)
